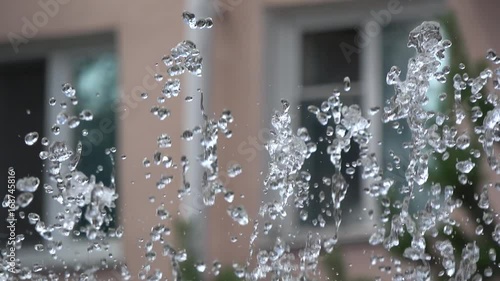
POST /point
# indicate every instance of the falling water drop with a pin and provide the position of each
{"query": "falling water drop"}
(24, 199)
(465, 166)
(28, 184)
(52, 101)
(164, 141)
(347, 84)
(200, 266)
(68, 90)
(73, 122)
(234, 170)
(238, 214)
(86, 115)
(31, 138)
(187, 135)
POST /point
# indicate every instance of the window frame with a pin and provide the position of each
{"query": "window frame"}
(58, 71)
(283, 77)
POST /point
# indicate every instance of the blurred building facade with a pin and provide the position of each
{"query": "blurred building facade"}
(258, 52)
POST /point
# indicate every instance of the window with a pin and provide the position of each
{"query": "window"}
(94, 78)
(22, 87)
(397, 35)
(90, 65)
(305, 63)
(323, 67)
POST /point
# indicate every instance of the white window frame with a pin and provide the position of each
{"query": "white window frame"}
(283, 79)
(58, 58)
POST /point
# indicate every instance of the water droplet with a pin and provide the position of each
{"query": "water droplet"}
(463, 141)
(31, 138)
(374, 110)
(86, 115)
(168, 60)
(39, 247)
(62, 118)
(176, 70)
(465, 166)
(234, 170)
(164, 141)
(187, 135)
(52, 101)
(146, 163)
(33, 218)
(347, 84)
(73, 122)
(28, 184)
(43, 155)
(162, 113)
(200, 266)
(24, 199)
(68, 90)
(189, 18)
(48, 188)
(491, 55)
(59, 152)
(209, 23)
(229, 196)
(238, 214)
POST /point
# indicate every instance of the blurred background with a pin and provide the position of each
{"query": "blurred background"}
(258, 52)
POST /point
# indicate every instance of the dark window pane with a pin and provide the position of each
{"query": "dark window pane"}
(319, 166)
(95, 79)
(22, 88)
(324, 60)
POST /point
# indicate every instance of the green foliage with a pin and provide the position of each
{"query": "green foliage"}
(336, 268)
(335, 265)
(226, 274)
(188, 268)
(189, 272)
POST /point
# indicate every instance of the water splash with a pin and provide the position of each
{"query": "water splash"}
(83, 198)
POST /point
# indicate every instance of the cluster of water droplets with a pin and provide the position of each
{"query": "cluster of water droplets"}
(428, 140)
(186, 57)
(287, 151)
(194, 23)
(80, 196)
